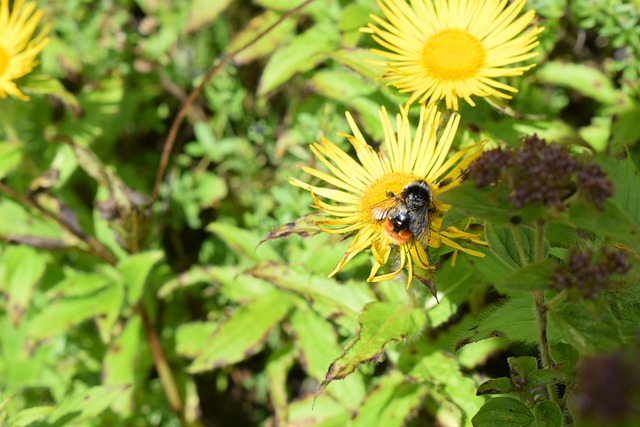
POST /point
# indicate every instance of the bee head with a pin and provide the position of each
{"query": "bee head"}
(417, 195)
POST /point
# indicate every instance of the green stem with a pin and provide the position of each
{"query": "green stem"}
(541, 312)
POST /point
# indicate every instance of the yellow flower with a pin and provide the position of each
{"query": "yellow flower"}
(454, 48)
(363, 190)
(18, 49)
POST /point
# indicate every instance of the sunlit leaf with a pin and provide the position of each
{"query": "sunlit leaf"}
(380, 323)
(21, 268)
(243, 334)
(503, 412)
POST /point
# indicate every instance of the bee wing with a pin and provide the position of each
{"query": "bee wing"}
(421, 226)
(381, 210)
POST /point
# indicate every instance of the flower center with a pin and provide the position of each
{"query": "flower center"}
(453, 55)
(381, 189)
(4, 60)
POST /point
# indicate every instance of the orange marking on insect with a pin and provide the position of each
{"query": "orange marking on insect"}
(403, 236)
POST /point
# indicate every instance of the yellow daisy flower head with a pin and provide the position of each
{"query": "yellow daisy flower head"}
(18, 47)
(453, 48)
(390, 199)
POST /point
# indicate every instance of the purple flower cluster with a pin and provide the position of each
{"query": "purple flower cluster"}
(540, 174)
(586, 275)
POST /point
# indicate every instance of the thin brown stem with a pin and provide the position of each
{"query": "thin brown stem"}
(160, 362)
(173, 131)
(95, 247)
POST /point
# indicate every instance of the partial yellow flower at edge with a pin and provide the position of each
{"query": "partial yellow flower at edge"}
(18, 47)
(356, 187)
(453, 49)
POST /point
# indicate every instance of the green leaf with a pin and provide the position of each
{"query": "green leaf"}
(582, 78)
(301, 54)
(624, 175)
(278, 366)
(531, 277)
(27, 417)
(496, 386)
(489, 204)
(541, 377)
(85, 405)
(391, 402)
(523, 366)
(514, 320)
(191, 338)
(548, 414)
(108, 310)
(327, 412)
(267, 43)
(453, 391)
(380, 323)
(43, 84)
(120, 363)
(244, 242)
(503, 242)
(612, 222)
(135, 269)
(232, 281)
(343, 302)
(503, 411)
(203, 12)
(317, 343)
(10, 157)
(589, 328)
(244, 333)
(77, 285)
(60, 315)
(21, 267)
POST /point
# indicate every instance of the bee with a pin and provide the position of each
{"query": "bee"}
(406, 214)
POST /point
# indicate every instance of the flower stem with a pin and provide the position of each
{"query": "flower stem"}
(541, 312)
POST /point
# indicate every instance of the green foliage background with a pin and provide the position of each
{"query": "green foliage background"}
(118, 311)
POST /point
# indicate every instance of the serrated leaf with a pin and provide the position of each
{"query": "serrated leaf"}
(548, 414)
(626, 179)
(135, 269)
(503, 412)
(244, 242)
(582, 78)
(589, 328)
(234, 283)
(514, 320)
(500, 385)
(502, 241)
(390, 403)
(317, 343)
(531, 277)
(243, 334)
(85, 405)
(192, 338)
(342, 302)
(301, 54)
(380, 323)
(120, 363)
(21, 267)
